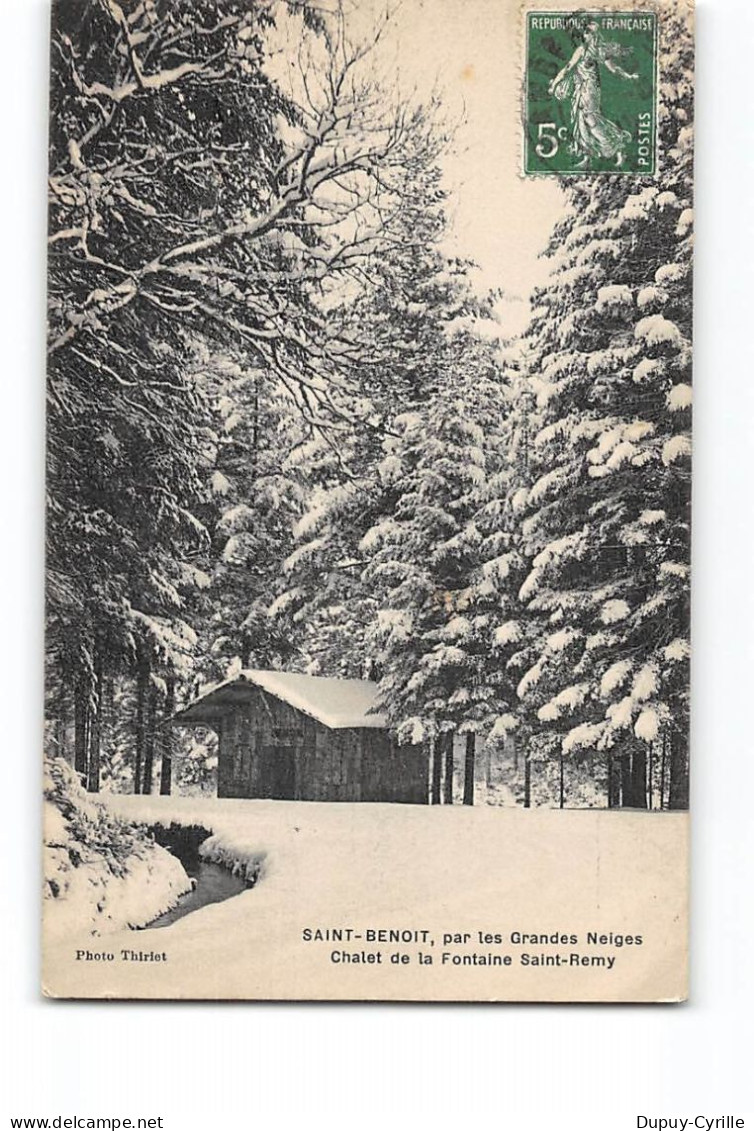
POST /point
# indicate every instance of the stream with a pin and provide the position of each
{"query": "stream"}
(212, 882)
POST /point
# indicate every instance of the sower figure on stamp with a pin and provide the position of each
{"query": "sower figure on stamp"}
(594, 135)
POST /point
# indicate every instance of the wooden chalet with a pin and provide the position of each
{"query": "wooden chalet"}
(306, 738)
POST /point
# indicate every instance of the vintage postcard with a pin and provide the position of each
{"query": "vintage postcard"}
(368, 519)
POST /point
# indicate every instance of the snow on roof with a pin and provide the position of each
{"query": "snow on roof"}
(336, 703)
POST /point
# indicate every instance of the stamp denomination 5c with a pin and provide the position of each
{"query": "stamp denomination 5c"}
(590, 98)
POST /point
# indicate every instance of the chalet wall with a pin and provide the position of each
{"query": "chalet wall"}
(269, 749)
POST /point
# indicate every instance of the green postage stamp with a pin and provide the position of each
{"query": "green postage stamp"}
(590, 104)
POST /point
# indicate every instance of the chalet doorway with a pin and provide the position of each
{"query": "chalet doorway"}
(280, 772)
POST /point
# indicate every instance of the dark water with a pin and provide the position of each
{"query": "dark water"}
(213, 883)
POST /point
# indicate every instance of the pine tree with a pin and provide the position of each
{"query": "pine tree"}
(428, 639)
(394, 326)
(504, 623)
(606, 528)
(256, 500)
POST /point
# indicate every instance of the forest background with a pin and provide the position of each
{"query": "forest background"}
(291, 424)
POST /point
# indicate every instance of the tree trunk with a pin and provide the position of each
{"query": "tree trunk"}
(679, 772)
(468, 769)
(142, 690)
(663, 769)
(527, 781)
(168, 739)
(95, 730)
(562, 782)
(448, 798)
(437, 770)
(613, 782)
(61, 726)
(639, 777)
(149, 739)
(80, 726)
(255, 425)
(650, 777)
(626, 781)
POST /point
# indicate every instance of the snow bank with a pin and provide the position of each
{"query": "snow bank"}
(370, 865)
(101, 873)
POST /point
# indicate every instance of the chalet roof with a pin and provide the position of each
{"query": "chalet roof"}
(336, 703)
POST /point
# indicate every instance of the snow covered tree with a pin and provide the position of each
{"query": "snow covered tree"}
(388, 551)
(397, 551)
(606, 527)
(498, 612)
(191, 197)
(421, 555)
(395, 325)
(132, 89)
(255, 502)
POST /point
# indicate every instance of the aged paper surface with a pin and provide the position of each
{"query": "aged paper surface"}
(369, 486)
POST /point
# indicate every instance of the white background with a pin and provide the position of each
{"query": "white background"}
(228, 1066)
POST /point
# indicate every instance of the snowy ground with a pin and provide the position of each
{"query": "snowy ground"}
(438, 870)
